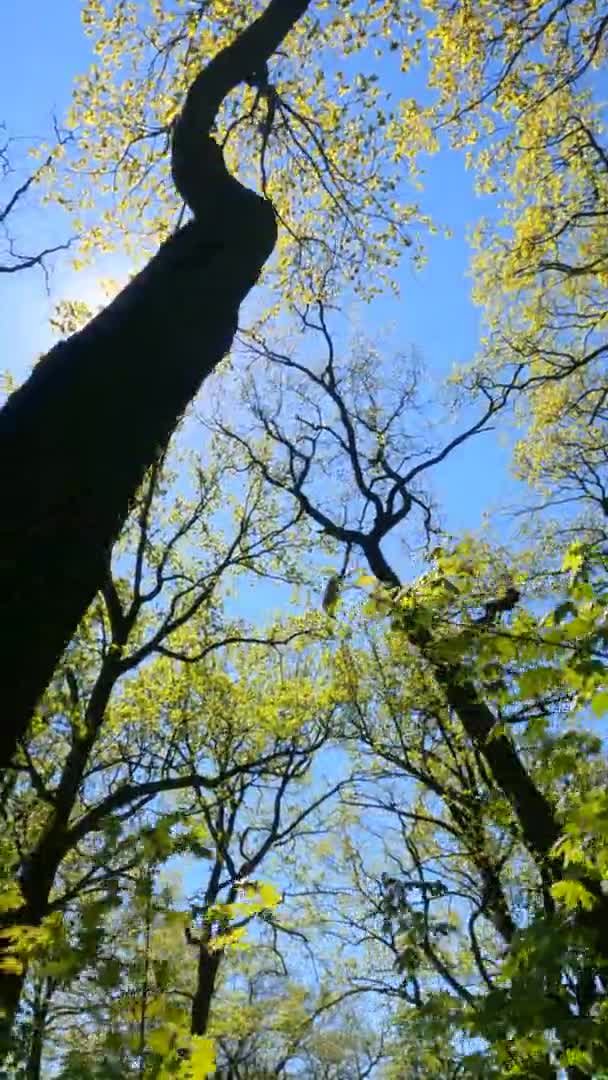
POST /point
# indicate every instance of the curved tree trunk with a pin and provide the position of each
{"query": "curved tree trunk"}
(76, 438)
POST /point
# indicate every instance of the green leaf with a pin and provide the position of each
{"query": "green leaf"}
(203, 1057)
(571, 893)
(160, 1040)
(537, 680)
(109, 973)
(201, 1062)
(599, 703)
(574, 558)
(11, 897)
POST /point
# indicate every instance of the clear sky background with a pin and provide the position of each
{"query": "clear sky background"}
(42, 49)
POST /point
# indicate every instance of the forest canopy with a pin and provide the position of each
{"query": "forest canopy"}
(304, 542)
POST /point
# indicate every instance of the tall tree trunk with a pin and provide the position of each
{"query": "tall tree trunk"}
(76, 438)
(12, 982)
(208, 967)
(39, 866)
(538, 821)
(40, 1007)
(34, 1063)
(11, 989)
(145, 982)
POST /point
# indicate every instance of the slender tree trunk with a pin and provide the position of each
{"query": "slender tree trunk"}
(12, 981)
(145, 983)
(208, 967)
(34, 1063)
(11, 989)
(209, 959)
(36, 881)
(76, 438)
(535, 814)
(40, 1008)
(537, 819)
(39, 867)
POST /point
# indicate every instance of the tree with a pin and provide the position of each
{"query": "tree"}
(519, 91)
(67, 487)
(444, 884)
(413, 764)
(452, 619)
(386, 495)
(96, 755)
(260, 741)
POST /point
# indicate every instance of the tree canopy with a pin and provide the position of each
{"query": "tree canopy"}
(302, 777)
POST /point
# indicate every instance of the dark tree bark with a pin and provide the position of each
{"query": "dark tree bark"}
(43, 993)
(208, 966)
(537, 818)
(77, 437)
(39, 867)
(36, 882)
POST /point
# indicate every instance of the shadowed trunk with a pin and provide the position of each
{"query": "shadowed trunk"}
(208, 967)
(32, 913)
(10, 996)
(43, 992)
(39, 866)
(76, 438)
(537, 818)
(36, 882)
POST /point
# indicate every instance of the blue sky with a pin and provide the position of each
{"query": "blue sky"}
(41, 50)
(39, 58)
